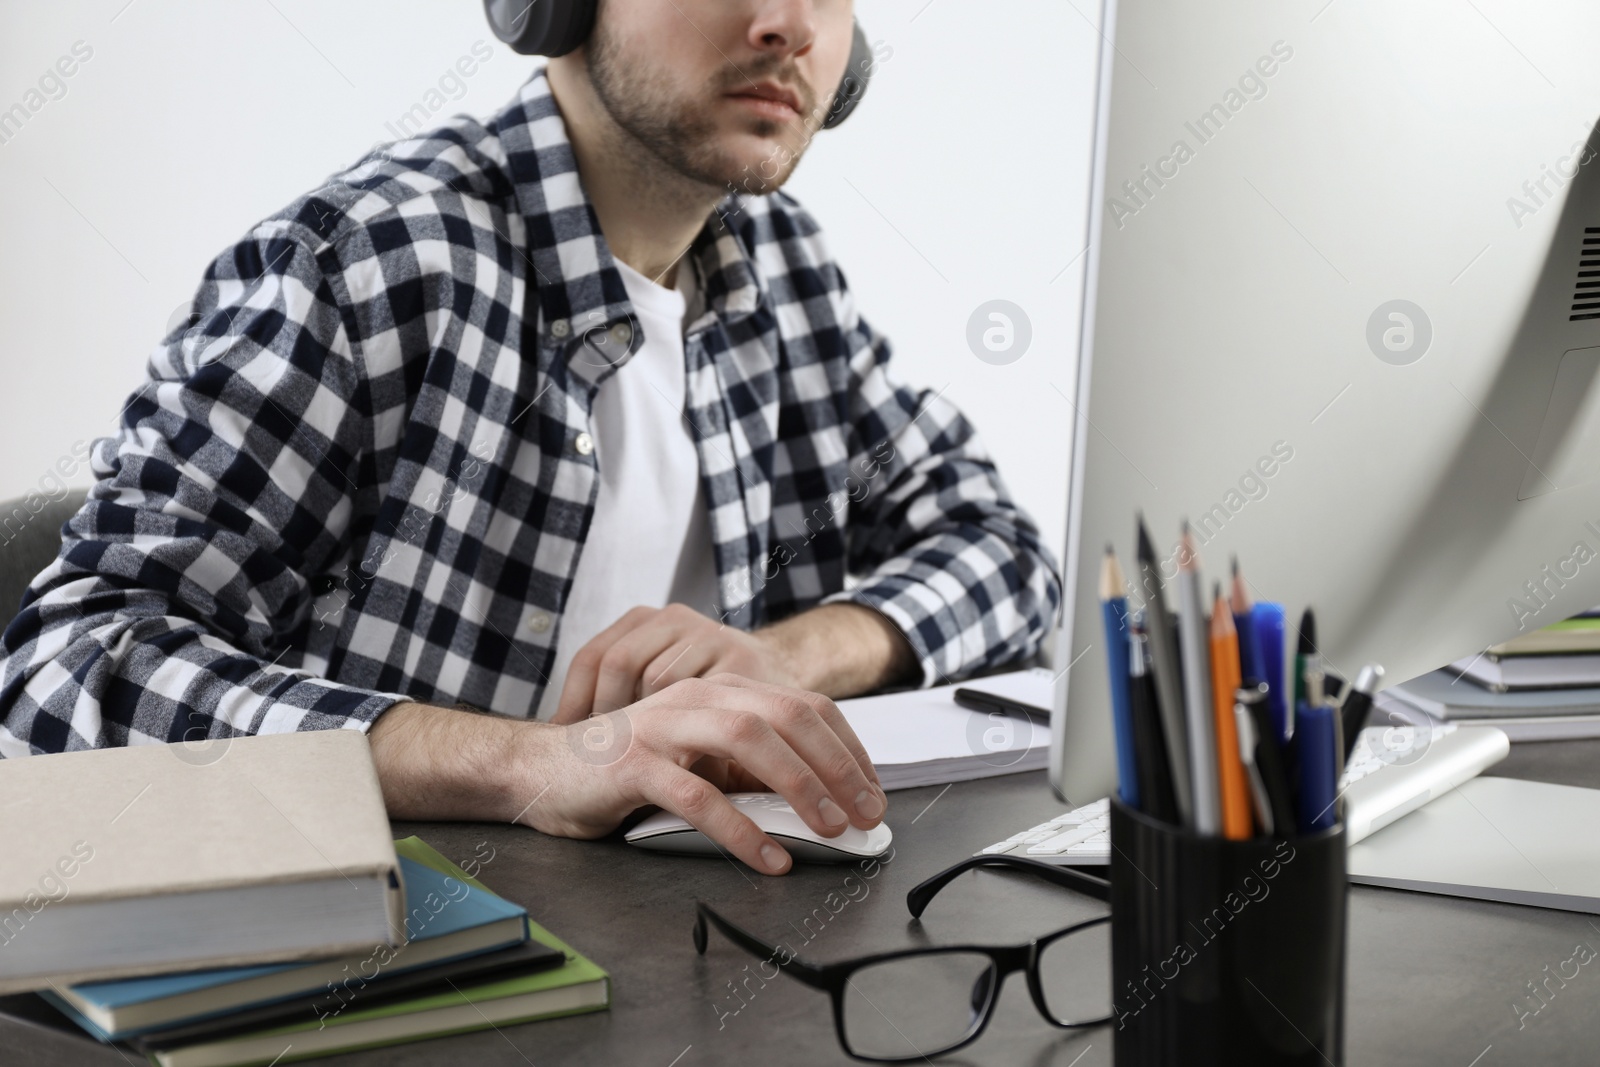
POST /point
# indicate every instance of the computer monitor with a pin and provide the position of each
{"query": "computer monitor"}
(1342, 313)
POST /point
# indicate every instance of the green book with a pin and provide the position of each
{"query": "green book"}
(577, 986)
(1577, 635)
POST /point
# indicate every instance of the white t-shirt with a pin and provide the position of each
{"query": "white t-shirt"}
(650, 539)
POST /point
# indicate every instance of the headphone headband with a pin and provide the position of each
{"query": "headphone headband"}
(556, 27)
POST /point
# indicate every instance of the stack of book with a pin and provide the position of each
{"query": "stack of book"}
(1541, 686)
(248, 906)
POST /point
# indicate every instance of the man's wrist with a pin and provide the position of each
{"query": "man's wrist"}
(842, 649)
(451, 763)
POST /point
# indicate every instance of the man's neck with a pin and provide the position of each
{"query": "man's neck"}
(648, 213)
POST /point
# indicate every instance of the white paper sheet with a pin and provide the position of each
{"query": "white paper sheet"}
(923, 737)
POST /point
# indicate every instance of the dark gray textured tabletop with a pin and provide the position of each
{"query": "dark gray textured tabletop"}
(1432, 980)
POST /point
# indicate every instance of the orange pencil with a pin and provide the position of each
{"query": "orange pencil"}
(1236, 824)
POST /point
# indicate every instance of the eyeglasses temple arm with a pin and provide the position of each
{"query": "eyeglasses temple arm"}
(809, 973)
(918, 899)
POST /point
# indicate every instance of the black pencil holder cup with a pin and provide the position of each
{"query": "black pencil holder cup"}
(1225, 952)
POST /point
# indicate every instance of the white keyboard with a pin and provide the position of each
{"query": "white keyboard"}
(1390, 774)
(1080, 837)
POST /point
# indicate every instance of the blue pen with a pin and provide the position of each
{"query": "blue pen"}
(1114, 611)
(1317, 759)
(1266, 622)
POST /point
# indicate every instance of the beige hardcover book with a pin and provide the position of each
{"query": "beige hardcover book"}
(158, 858)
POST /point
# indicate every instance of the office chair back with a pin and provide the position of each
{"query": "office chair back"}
(29, 542)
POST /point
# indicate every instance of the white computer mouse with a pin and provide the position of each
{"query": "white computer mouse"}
(666, 832)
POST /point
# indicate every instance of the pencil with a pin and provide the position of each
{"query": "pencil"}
(1150, 749)
(1197, 688)
(1241, 604)
(1225, 680)
(1164, 671)
(1114, 613)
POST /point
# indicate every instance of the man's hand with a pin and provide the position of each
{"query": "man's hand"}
(837, 649)
(678, 749)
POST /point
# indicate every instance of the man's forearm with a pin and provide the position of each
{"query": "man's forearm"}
(449, 763)
(454, 763)
(842, 650)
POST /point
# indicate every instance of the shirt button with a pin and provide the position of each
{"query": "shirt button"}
(584, 444)
(559, 328)
(622, 333)
(538, 622)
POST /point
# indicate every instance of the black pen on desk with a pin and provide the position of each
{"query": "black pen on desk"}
(1358, 705)
(1164, 670)
(992, 703)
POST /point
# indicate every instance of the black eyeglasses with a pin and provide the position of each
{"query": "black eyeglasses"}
(900, 1007)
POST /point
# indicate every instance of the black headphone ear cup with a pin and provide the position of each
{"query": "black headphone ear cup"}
(541, 27)
(853, 86)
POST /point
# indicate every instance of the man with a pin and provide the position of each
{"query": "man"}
(439, 427)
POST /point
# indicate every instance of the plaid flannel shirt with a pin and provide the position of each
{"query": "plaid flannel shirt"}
(362, 473)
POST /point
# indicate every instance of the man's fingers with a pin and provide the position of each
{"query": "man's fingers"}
(620, 679)
(567, 712)
(684, 659)
(578, 693)
(778, 738)
(728, 776)
(707, 810)
(829, 712)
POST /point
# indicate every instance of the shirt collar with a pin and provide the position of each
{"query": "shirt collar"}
(579, 289)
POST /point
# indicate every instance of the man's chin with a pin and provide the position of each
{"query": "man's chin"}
(760, 164)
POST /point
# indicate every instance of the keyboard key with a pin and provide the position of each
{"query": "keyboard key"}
(1083, 832)
(1061, 842)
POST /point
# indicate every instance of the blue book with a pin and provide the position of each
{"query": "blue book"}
(446, 919)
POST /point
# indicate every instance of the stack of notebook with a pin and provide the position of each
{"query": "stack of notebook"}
(187, 903)
(1565, 655)
(923, 737)
(1524, 715)
(1541, 686)
(473, 961)
(156, 858)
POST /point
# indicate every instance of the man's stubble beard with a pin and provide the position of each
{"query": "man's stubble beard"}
(681, 135)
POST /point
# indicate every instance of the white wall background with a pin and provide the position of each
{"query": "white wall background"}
(962, 178)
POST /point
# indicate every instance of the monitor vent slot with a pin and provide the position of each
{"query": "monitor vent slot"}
(1586, 291)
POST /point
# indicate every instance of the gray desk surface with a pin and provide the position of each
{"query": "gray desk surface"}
(1432, 980)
